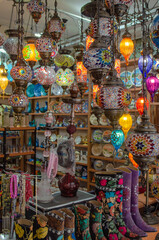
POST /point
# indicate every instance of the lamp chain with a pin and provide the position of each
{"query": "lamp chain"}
(46, 14)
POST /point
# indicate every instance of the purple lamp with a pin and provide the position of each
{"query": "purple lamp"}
(147, 61)
(152, 84)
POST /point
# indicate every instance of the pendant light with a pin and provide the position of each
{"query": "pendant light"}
(36, 9)
(141, 103)
(89, 41)
(3, 78)
(145, 64)
(126, 123)
(152, 84)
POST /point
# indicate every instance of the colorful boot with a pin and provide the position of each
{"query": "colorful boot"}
(56, 225)
(105, 191)
(69, 225)
(23, 229)
(127, 176)
(96, 220)
(82, 215)
(134, 203)
(122, 228)
(40, 227)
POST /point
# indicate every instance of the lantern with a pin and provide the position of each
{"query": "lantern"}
(147, 62)
(95, 90)
(36, 9)
(152, 84)
(89, 41)
(126, 46)
(132, 161)
(11, 44)
(81, 72)
(2, 39)
(126, 123)
(154, 30)
(64, 59)
(117, 139)
(3, 81)
(140, 104)
(64, 78)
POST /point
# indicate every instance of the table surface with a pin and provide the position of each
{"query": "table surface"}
(60, 201)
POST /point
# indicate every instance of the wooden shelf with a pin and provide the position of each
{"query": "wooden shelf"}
(80, 179)
(1, 155)
(36, 114)
(4, 97)
(81, 163)
(31, 163)
(135, 89)
(1, 129)
(21, 128)
(154, 103)
(108, 159)
(68, 114)
(132, 110)
(82, 129)
(20, 154)
(60, 96)
(101, 126)
(35, 98)
(40, 149)
(92, 184)
(81, 145)
(131, 63)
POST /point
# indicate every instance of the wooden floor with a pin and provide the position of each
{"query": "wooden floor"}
(151, 236)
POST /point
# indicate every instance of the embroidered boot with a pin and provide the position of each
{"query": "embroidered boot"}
(23, 229)
(82, 215)
(40, 227)
(56, 225)
(69, 225)
(134, 203)
(105, 191)
(122, 228)
(96, 220)
(127, 176)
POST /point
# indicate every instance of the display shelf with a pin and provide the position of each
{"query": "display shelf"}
(60, 96)
(31, 163)
(100, 126)
(108, 159)
(132, 62)
(11, 137)
(154, 103)
(20, 154)
(20, 128)
(81, 163)
(132, 110)
(81, 145)
(37, 98)
(80, 179)
(68, 114)
(4, 97)
(78, 128)
(92, 184)
(1, 129)
(36, 114)
(1, 155)
(40, 149)
(135, 89)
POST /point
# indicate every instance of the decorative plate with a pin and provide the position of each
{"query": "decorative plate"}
(93, 120)
(66, 122)
(97, 135)
(98, 165)
(66, 108)
(37, 90)
(103, 120)
(136, 77)
(56, 89)
(59, 107)
(108, 150)
(126, 79)
(96, 149)
(30, 90)
(53, 137)
(85, 107)
(109, 167)
(77, 108)
(132, 104)
(78, 140)
(107, 136)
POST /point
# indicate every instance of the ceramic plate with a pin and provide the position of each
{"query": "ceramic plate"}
(136, 77)
(30, 90)
(103, 120)
(106, 136)
(98, 165)
(109, 167)
(56, 89)
(37, 90)
(108, 150)
(93, 120)
(78, 140)
(85, 107)
(66, 108)
(126, 79)
(96, 149)
(53, 137)
(97, 135)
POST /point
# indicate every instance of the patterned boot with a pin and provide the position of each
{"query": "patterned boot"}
(122, 228)
(82, 215)
(127, 176)
(56, 225)
(23, 229)
(105, 191)
(40, 228)
(69, 225)
(134, 203)
(96, 220)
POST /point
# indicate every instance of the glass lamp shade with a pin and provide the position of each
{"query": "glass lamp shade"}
(64, 60)
(81, 72)
(11, 44)
(147, 62)
(140, 104)
(2, 39)
(118, 2)
(117, 138)
(126, 123)
(36, 9)
(152, 84)
(118, 67)
(95, 90)
(30, 53)
(126, 48)
(3, 81)
(21, 73)
(154, 30)
(45, 75)
(132, 161)
(18, 100)
(89, 41)
(97, 58)
(65, 77)
(56, 27)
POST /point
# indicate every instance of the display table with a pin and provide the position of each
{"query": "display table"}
(57, 202)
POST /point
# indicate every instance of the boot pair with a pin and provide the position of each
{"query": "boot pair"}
(131, 214)
(88, 221)
(61, 224)
(29, 230)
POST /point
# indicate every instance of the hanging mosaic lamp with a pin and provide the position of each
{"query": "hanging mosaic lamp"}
(30, 53)
(56, 26)
(89, 41)
(117, 62)
(2, 39)
(140, 105)
(126, 123)
(46, 76)
(11, 44)
(126, 46)
(45, 45)
(156, 62)
(117, 139)
(64, 59)
(64, 78)
(3, 81)
(147, 62)
(152, 84)
(81, 71)
(21, 73)
(36, 9)
(154, 30)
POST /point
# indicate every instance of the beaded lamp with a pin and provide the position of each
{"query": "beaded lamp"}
(126, 46)
(36, 9)
(2, 39)
(11, 44)
(89, 41)
(64, 59)
(152, 84)
(126, 123)
(141, 103)
(146, 62)
(64, 78)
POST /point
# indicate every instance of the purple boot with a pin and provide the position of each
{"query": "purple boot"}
(134, 203)
(127, 176)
